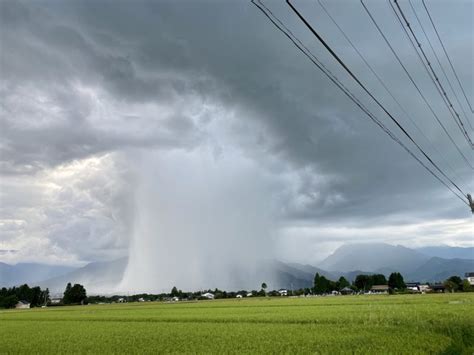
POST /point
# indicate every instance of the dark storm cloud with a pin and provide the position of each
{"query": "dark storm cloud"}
(150, 60)
(307, 121)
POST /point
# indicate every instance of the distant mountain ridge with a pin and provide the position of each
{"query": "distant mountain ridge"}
(373, 257)
(95, 276)
(11, 275)
(438, 269)
(385, 259)
(448, 252)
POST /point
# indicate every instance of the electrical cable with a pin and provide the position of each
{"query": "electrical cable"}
(334, 79)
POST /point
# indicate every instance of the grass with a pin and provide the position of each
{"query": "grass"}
(441, 323)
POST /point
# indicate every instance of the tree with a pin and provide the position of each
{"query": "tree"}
(378, 279)
(466, 286)
(362, 282)
(9, 297)
(395, 281)
(79, 294)
(342, 282)
(67, 294)
(35, 297)
(8, 301)
(450, 285)
(332, 285)
(174, 292)
(264, 287)
(321, 284)
(75, 294)
(24, 293)
(457, 281)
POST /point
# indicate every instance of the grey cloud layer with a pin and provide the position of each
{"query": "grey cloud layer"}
(87, 78)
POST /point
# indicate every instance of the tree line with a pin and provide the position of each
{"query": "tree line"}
(395, 282)
(76, 294)
(322, 285)
(455, 283)
(35, 296)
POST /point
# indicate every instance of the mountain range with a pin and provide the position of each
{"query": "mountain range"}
(30, 273)
(376, 257)
(447, 252)
(423, 264)
(95, 276)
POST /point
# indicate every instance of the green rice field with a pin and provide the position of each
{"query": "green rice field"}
(411, 324)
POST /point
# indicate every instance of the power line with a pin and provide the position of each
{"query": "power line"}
(415, 85)
(428, 70)
(447, 56)
(282, 28)
(346, 91)
(436, 80)
(341, 62)
(384, 85)
(440, 65)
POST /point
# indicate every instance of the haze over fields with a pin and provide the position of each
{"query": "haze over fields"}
(189, 143)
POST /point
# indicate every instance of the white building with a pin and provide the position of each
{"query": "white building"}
(239, 296)
(22, 304)
(424, 288)
(283, 292)
(208, 295)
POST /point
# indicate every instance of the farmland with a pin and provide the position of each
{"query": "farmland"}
(441, 323)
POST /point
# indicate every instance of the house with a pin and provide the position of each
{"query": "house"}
(347, 291)
(438, 288)
(239, 296)
(250, 294)
(470, 277)
(379, 289)
(56, 300)
(22, 304)
(424, 288)
(175, 299)
(283, 292)
(141, 299)
(121, 300)
(208, 295)
(413, 286)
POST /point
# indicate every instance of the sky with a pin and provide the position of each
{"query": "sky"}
(194, 130)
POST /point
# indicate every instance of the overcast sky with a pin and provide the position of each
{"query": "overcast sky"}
(180, 110)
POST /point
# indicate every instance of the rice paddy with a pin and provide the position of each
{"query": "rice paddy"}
(438, 323)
